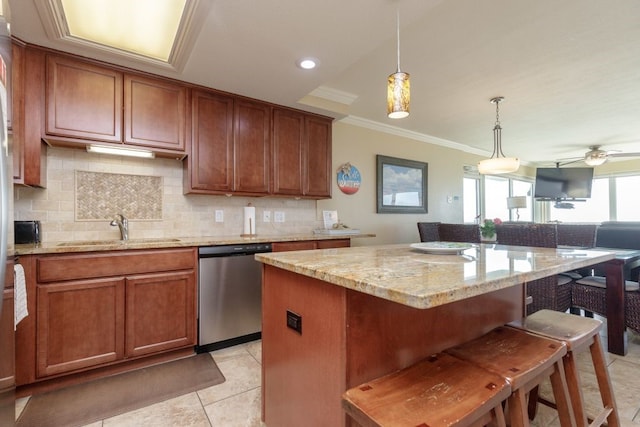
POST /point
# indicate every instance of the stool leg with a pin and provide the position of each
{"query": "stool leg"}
(561, 394)
(533, 402)
(604, 381)
(498, 413)
(575, 389)
(517, 403)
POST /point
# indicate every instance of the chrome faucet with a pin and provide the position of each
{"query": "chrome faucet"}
(123, 224)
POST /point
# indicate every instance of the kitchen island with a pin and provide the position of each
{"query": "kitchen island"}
(335, 318)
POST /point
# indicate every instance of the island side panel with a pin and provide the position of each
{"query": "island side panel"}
(384, 336)
(303, 374)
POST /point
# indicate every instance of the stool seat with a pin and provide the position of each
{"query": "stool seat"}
(579, 334)
(440, 390)
(524, 360)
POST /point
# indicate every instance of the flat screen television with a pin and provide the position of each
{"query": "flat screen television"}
(563, 183)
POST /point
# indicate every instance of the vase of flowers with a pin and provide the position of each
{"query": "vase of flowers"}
(488, 229)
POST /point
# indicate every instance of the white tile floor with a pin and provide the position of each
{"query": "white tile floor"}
(236, 402)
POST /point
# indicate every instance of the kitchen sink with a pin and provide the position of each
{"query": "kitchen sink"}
(119, 242)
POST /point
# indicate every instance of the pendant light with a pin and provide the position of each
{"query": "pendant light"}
(497, 164)
(398, 95)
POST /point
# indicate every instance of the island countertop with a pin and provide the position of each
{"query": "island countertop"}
(422, 280)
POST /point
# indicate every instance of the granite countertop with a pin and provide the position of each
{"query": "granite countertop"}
(418, 279)
(168, 242)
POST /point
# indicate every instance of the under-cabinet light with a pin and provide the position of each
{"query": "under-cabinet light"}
(120, 151)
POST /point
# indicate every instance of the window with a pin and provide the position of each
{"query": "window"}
(626, 201)
(522, 188)
(595, 209)
(496, 191)
(470, 193)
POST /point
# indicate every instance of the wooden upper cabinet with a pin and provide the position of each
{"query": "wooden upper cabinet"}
(27, 90)
(251, 146)
(87, 102)
(83, 100)
(288, 152)
(317, 178)
(301, 154)
(154, 113)
(210, 165)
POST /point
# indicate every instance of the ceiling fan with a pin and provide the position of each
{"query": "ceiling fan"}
(595, 156)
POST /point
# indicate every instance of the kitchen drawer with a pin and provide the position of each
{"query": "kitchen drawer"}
(56, 268)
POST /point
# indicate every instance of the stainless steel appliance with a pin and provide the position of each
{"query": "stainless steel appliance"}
(7, 377)
(229, 295)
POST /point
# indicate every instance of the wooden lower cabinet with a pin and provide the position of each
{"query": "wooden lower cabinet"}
(100, 309)
(7, 358)
(80, 324)
(160, 312)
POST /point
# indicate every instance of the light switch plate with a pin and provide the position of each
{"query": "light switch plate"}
(219, 215)
(266, 216)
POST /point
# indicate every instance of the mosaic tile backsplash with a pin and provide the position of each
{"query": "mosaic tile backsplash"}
(135, 196)
(74, 208)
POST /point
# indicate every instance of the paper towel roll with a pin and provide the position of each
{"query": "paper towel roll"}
(249, 220)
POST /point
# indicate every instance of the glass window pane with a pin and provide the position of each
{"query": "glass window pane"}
(595, 209)
(495, 197)
(626, 204)
(523, 188)
(470, 199)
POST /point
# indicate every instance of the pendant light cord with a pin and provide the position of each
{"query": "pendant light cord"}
(398, 36)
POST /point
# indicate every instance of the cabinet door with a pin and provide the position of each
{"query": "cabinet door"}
(83, 100)
(251, 147)
(210, 164)
(29, 153)
(80, 325)
(7, 349)
(318, 158)
(161, 312)
(154, 113)
(288, 145)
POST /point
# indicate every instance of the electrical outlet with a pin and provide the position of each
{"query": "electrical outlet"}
(266, 216)
(278, 216)
(219, 216)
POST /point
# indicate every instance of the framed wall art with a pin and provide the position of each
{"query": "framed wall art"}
(401, 185)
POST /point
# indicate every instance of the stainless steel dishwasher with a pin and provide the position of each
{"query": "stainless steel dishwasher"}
(229, 295)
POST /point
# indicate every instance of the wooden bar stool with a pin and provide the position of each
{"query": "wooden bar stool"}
(524, 360)
(579, 334)
(438, 391)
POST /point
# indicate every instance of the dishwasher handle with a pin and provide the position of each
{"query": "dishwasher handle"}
(233, 250)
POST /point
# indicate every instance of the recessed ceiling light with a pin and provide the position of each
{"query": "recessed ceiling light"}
(308, 63)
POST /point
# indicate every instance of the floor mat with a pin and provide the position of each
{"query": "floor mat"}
(106, 397)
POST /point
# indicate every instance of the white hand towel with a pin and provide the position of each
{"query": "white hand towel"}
(20, 299)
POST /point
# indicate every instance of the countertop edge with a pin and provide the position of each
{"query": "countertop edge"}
(426, 299)
(170, 242)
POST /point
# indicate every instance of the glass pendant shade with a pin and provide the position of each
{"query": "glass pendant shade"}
(595, 160)
(398, 95)
(498, 165)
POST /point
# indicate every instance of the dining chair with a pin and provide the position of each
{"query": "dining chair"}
(428, 231)
(459, 232)
(589, 294)
(553, 292)
(579, 235)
